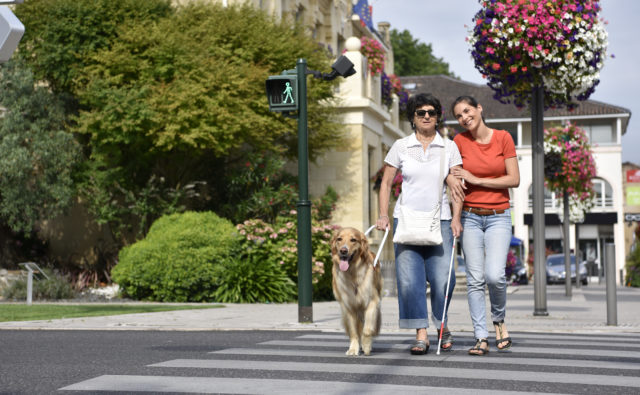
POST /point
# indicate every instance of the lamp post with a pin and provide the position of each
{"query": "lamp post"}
(539, 269)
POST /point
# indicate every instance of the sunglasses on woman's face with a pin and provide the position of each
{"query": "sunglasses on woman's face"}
(423, 113)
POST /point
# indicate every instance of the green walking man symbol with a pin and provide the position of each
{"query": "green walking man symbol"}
(287, 93)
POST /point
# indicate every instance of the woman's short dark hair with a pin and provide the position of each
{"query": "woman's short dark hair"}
(419, 100)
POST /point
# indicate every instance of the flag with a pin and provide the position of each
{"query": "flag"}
(363, 10)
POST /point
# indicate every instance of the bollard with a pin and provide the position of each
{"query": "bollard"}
(29, 285)
(622, 277)
(610, 279)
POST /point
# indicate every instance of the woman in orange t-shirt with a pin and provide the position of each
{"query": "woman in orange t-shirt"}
(489, 169)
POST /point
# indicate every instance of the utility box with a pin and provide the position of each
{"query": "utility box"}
(282, 92)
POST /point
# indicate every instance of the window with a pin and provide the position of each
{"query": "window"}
(603, 194)
(603, 199)
(550, 198)
(600, 133)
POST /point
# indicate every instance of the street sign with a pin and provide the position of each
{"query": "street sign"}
(282, 92)
(11, 31)
(633, 175)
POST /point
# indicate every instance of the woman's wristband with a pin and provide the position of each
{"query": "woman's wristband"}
(383, 216)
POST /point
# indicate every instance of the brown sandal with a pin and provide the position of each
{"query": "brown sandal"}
(478, 349)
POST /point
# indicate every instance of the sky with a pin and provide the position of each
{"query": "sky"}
(442, 24)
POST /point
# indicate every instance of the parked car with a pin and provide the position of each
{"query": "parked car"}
(556, 270)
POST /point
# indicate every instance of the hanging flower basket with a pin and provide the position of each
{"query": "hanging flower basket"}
(519, 44)
(570, 167)
(374, 52)
(391, 85)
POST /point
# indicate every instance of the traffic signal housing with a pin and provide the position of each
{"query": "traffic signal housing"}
(282, 92)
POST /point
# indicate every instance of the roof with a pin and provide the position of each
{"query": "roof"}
(447, 89)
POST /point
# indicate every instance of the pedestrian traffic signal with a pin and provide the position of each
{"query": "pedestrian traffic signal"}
(282, 92)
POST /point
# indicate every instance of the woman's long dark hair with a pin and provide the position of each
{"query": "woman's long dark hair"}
(470, 100)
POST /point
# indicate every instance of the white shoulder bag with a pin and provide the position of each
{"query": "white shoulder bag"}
(421, 227)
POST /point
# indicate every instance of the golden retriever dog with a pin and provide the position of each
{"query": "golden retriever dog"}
(357, 286)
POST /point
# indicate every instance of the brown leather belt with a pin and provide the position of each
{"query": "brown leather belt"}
(482, 211)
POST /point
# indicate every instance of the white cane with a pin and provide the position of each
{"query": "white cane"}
(446, 294)
(384, 238)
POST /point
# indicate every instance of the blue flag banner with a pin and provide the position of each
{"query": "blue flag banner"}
(363, 10)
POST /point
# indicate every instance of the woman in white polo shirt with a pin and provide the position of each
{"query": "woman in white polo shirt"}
(418, 157)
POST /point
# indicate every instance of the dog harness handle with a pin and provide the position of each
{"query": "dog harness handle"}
(384, 238)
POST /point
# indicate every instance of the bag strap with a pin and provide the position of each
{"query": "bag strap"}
(435, 221)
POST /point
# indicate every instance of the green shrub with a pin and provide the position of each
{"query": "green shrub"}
(177, 260)
(277, 244)
(633, 268)
(55, 287)
(253, 280)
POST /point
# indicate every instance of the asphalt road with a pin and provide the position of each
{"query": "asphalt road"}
(297, 362)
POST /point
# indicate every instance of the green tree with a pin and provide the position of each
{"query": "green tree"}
(412, 57)
(171, 97)
(36, 155)
(62, 35)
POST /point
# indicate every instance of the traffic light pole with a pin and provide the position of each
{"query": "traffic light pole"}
(287, 93)
(305, 308)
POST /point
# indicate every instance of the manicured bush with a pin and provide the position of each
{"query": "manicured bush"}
(179, 260)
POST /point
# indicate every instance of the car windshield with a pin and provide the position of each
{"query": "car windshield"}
(558, 260)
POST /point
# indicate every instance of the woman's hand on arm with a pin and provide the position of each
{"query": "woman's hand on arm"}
(456, 185)
(385, 191)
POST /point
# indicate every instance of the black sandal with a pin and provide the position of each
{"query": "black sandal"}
(419, 347)
(499, 336)
(478, 349)
(447, 338)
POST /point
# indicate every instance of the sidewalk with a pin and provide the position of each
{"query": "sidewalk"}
(584, 312)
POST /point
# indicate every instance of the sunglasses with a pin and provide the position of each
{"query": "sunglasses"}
(422, 113)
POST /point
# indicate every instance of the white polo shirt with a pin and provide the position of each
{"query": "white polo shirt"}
(421, 171)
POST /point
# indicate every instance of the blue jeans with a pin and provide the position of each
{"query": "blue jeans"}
(485, 243)
(415, 265)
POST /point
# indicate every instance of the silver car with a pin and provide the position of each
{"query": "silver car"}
(556, 270)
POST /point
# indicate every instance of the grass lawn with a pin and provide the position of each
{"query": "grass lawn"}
(22, 312)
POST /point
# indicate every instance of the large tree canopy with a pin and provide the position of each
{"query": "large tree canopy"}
(164, 96)
(412, 57)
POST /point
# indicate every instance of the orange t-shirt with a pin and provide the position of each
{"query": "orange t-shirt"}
(486, 161)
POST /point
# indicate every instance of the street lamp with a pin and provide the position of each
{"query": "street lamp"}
(11, 31)
(288, 92)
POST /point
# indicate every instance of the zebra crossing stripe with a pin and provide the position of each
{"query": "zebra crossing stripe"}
(520, 339)
(515, 350)
(450, 357)
(422, 371)
(214, 385)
